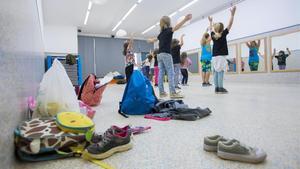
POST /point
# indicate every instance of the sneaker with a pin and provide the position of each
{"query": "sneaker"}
(177, 87)
(204, 84)
(162, 95)
(237, 151)
(96, 138)
(110, 144)
(211, 143)
(217, 90)
(176, 96)
(208, 84)
(223, 90)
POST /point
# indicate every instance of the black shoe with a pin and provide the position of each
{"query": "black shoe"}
(204, 84)
(177, 87)
(223, 90)
(217, 90)
(208, 84)
(111, 142)
(156, 85)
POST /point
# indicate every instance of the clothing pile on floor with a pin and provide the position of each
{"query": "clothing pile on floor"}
(177, 110)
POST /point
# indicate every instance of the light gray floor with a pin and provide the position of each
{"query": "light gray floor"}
(267, 116)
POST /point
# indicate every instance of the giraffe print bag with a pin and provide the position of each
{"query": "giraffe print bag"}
(42, 136)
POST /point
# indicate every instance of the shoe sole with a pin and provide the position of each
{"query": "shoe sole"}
(221, 92)
(239, 157)
(176, 97)
(163, 96)
(110, 152)
(210, 148)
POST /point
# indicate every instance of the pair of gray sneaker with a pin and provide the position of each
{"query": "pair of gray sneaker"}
(231, 149)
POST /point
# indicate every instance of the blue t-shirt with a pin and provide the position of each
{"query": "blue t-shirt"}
(206, 54)
(253, 55)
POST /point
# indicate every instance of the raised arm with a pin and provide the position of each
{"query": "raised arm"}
(181, 40)
(274, 53)
(181, 23)
(130, 44)
(210, 19)
(288, 50)
(258, 43)
(248, 44)
(231, 18)
(152, 40)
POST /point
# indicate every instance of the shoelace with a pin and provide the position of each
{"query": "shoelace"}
(99, 136)
(106, 138)
(246, 147)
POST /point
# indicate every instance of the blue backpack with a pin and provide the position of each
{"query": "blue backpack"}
(138, 97)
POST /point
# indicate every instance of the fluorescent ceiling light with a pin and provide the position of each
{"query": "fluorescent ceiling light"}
(147, 30)
(86, 17)
(88, 12)
(173, 14)
(118, 24)
(188, 5)
(90, 5)
(127, 14)
(130, 10)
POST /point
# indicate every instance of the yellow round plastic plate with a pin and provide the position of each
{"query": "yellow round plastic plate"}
(74, 122)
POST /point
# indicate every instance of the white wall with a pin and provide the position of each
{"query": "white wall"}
(41, 19)
(252, 17)
(292, 41)
(60, 39)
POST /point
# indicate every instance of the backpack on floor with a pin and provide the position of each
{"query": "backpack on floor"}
(138, 97)
(89, 94)
(41, 140)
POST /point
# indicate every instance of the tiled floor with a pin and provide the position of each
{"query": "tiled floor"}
(267, 116)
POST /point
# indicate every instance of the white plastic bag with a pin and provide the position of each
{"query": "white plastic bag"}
(56, 93)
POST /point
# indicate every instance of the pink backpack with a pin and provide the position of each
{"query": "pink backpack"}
(89, 94)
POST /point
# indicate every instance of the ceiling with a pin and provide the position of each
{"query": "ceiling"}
(103, 18)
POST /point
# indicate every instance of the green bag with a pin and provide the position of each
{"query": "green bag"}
(70, 59)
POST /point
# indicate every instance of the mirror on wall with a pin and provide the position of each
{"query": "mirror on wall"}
(253, 56)
(285, 52)
(232, 59)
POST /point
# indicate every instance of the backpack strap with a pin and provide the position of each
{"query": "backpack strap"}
(97, 162)
(120, 112)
